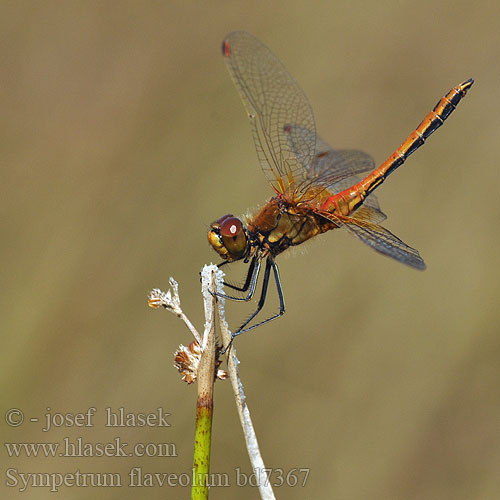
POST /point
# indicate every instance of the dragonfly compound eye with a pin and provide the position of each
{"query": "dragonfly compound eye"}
(233, 236)
(228, 238)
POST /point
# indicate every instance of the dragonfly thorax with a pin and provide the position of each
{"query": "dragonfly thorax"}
(280, 224)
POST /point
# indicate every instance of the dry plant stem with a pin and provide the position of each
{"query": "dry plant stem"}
(205, 405)
(265, 489)
(205, 375)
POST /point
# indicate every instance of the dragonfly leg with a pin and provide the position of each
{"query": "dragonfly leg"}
(248, 278)
(250, 282)
(270, 264)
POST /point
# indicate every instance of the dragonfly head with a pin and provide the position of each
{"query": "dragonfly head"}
(228, 238)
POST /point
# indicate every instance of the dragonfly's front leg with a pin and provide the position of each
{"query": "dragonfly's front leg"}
(250, 282)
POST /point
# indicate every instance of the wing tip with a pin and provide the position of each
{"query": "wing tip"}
(420, 265)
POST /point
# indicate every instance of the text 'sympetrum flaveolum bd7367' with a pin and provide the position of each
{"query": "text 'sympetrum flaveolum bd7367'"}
(317, 188)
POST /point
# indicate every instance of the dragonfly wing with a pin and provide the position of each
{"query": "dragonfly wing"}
(334, 165)
(335, 169)
(379, 238)
(272, 99)
(370, 213)
(383, 241)
(328, 165)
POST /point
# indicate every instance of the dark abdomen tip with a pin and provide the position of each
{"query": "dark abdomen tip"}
(464, 87)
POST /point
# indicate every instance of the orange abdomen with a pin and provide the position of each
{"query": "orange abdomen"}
(348, 200)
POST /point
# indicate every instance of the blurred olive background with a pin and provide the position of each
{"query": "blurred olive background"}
(122, 138)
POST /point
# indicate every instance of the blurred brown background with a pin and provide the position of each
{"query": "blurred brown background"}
(122, 138)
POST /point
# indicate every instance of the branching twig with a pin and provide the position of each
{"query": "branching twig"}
(195, 363)
(172, 302)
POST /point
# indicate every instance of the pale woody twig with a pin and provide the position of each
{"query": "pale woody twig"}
(208, 283)
(172, 303)
(265, 489)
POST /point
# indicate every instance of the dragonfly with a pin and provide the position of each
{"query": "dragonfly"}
(316, 188)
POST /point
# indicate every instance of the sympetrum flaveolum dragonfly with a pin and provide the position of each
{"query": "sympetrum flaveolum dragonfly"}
(316, 187)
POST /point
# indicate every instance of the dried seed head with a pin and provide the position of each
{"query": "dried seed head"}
(157, 298)
(187, 359)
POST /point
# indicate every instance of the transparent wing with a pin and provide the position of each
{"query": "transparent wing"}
(328, 165)
(379, 238)
(272, 99)
(336, 170)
